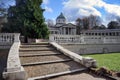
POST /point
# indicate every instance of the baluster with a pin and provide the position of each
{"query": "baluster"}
(0, 38)
(12, 38)
(8, 38)
(5, 38)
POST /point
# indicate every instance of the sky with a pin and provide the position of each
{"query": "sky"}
(73, 9)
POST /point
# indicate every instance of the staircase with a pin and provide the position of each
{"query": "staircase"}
(42, 60)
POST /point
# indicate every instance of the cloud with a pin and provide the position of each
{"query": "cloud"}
(48, 9)
(112, 9)
(79, 8)
(46, 2)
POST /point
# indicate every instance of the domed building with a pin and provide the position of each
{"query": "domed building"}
(62, 27)
(60, 20)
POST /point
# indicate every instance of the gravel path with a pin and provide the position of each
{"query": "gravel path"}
(79, 76)
(3, 61)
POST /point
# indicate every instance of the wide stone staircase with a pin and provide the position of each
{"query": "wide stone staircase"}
(42, 60)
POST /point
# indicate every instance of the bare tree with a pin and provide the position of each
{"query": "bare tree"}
(91, 21)
(79, 26)
(94, 21)
(2, 9)
(85, 21)
(118, 19)
(50, 23)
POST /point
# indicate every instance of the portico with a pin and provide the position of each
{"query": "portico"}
(68, 29)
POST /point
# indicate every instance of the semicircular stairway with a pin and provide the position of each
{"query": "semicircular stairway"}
(43, 62)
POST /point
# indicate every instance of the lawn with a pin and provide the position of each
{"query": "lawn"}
(111, 61)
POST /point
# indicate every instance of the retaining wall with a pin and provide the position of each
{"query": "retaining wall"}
(86, 61)
(92, 48)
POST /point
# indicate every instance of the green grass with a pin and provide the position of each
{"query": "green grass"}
(111, 61)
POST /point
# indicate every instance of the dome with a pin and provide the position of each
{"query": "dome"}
(61, 16)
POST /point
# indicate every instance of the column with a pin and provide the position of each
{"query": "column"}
(65, 31)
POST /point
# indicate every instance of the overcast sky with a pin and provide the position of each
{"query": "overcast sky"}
(73, 9)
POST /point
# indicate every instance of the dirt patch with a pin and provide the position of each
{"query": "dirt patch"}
(3, 60)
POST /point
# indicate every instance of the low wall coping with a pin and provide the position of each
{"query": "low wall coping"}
(86, 61)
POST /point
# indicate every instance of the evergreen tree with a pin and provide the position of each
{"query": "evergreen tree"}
(27, 18)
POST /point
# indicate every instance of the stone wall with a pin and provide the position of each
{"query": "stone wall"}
(92, 48)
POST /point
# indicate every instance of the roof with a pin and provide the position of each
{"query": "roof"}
(105, 30)
(61, 16)
(69, 24)
(66, 25)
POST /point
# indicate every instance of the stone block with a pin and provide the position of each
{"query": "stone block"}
(19, 75)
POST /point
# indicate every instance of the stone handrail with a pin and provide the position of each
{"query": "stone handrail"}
(86, 61)
(14, 70)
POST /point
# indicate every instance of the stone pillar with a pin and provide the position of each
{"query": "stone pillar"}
(16, 37)
(51, 38)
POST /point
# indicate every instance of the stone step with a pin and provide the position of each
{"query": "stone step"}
(36, 49)
(45, 69)
(33, 59)
(42, 43)
(38, 53)
(44, 54)
(32, 46)
(46, 62)
(49, 76)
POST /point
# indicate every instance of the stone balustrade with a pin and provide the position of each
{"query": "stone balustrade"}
(14, 70)
(101, 39)
(7, 39)
(66, 38)
(84, 39)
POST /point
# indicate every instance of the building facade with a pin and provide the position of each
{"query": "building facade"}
(62, 27)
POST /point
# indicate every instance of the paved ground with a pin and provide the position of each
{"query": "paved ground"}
(79, 76)
(3, 61)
